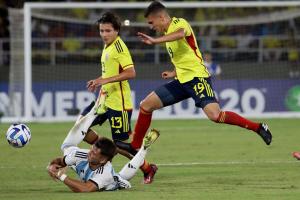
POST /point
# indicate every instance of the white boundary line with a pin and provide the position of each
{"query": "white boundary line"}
(193, 164)
(227, 163)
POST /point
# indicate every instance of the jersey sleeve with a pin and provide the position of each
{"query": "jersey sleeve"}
(181, 23)
(74, 156)
(102, 179)
(124, 57)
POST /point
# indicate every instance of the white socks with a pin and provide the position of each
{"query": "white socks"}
(130, 169)
(79, 130)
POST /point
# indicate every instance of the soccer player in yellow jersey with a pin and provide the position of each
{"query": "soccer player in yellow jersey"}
(117, 68)
(192, 79)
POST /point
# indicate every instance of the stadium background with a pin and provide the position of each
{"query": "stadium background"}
(196, 159)
(257, 48)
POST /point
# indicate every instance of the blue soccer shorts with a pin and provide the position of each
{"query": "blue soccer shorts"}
(119, 121)
(200, 89)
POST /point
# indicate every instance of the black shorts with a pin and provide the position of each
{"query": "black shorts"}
(200, 89)
(119, 121)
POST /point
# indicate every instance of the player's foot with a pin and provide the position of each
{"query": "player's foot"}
(122, 183)
(150, 138)
(126, 147)
(265, 133)
(149, 177)
(296, 155)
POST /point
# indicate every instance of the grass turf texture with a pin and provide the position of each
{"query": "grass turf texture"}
(197, 159)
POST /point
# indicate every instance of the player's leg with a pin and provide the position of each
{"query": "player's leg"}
(120, 122)
(215, 114)
(205, 98)
(165, 95)
(81, 129)
(120, 128)
(91, 137)
(147, 106)
(130, 169)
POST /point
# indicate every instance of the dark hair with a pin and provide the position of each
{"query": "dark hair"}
(107, 147)
(154, 8)
(110, 18)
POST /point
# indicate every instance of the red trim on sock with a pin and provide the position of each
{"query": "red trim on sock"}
(145, 111)
(142, 124)
(232, 118)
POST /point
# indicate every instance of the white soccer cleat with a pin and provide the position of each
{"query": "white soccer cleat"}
(122, 183)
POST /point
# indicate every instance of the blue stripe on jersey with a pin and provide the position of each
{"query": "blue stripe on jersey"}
(88, 174)
(83, 170)
(81, 166)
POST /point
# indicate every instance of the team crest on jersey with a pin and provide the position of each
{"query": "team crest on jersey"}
(106, 57)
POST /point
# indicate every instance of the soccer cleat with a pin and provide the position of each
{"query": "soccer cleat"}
(296, 155)
(150, 138)
(265, 133)
(126, 147)
(149, 177)
(122, 183)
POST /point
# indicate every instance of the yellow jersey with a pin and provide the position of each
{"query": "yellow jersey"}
(114, 59)
(184, 53)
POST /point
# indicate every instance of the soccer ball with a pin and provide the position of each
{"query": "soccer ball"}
(18, 135)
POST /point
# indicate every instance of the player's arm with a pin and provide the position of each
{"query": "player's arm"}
(79, 186)
(168, 74)
(58, 161)
(54, 166)
(75, 185)
(177, 35)
(128, 73)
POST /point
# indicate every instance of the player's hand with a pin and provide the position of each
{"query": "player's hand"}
(53, 170)
(100, 81)
(92, 85)
(146, 38)
(168, 74)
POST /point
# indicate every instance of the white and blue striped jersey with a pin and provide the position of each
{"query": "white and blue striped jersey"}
(104, 177)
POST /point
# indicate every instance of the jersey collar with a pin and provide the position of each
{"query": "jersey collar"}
(106, 46)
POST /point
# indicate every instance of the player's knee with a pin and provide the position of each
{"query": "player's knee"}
(91, 137)
(214, 116)
(214, 119)
(151, 103)
(146, 106)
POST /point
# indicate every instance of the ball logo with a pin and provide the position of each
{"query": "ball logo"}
(292, 99)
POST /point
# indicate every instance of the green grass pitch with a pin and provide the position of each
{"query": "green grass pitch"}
(197, 159)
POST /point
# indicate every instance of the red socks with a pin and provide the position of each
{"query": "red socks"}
(232, 118)
(146, 168)
(142, 124)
